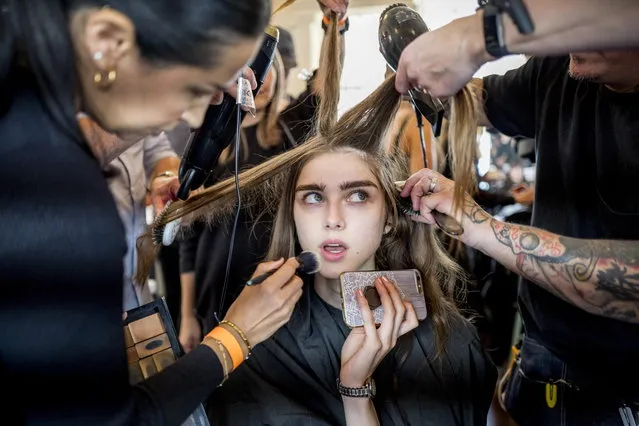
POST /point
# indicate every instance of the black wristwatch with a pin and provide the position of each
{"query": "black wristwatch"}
(367, 391)
(494, 31)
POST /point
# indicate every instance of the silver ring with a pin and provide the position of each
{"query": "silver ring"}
(433, 183)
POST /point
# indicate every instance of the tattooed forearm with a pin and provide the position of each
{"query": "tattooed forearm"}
(599, 276)
(474, 212)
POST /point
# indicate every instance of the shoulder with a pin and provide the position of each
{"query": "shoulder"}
(536, 70)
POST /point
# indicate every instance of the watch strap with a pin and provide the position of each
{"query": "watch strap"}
(494, 31)
(366, 391)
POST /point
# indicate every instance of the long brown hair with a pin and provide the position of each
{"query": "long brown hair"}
(461, 138)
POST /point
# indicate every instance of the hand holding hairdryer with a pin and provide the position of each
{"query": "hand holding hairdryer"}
(219, 126)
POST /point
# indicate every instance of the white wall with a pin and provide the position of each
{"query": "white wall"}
(364, 66)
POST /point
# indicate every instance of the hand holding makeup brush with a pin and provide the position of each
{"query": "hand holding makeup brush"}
(261, 310)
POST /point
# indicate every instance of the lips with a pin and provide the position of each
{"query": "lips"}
(333, 250)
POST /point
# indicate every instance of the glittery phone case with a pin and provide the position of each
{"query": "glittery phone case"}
(408, 282)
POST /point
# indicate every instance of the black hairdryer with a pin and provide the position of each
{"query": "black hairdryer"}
(399, 25)
(218, 128)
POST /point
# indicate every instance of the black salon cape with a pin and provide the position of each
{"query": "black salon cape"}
(291, 378)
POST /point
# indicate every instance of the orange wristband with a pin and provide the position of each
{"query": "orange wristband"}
(231, 344)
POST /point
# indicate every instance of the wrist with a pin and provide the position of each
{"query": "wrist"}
(164, 174)
(475, 44)
(350, 383)
(483, 234)
(239, 335)
(188, 313)
(357, 388)
(233, 344)
(356, 404)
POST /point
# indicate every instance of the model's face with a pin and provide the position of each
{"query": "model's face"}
(145, 98)
(339, 212)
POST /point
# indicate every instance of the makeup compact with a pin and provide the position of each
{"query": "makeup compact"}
(152, 345)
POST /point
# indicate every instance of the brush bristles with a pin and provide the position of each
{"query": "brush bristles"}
(405, 205)
(157, 231)
(310, 262)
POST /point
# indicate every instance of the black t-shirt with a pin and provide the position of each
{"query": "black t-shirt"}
(587, 142)
(62, 352)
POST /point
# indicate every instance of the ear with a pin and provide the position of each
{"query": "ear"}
(387, 229)
(108, 36)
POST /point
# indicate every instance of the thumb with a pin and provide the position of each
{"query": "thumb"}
(158, 204)
(174, 187)
(440, 201)
(268, 266)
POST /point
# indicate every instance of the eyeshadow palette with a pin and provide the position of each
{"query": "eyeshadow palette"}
(152, 345)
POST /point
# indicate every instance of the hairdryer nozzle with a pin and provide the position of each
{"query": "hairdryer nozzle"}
(398, 26)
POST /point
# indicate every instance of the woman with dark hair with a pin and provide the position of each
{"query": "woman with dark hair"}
(136, 68)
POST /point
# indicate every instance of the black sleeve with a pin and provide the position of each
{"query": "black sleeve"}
(510, 100)
(169, 397)
(188, 248)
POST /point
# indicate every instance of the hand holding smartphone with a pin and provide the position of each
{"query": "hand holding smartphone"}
(408, 283)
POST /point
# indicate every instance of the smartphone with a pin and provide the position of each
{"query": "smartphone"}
(408, 282)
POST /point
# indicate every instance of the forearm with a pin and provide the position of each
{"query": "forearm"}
(598, 276)
(568, 26)
(187, 294)
(359, 412)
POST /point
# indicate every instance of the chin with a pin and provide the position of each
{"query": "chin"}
(586, 67)
(331, 273)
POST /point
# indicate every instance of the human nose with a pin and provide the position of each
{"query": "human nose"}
(334, 217)
(195, 115)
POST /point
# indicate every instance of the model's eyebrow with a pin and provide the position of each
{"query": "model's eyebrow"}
(357, 184)
(310, 187)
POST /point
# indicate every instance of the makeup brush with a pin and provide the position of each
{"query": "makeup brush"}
(445, 223)
(309, 262)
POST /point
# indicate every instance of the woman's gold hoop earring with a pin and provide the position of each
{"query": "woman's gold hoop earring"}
(103, 81)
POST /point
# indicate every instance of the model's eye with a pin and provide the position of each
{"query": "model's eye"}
(313, 198)
(358, 196)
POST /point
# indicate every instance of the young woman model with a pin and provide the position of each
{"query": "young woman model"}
(336, 194)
